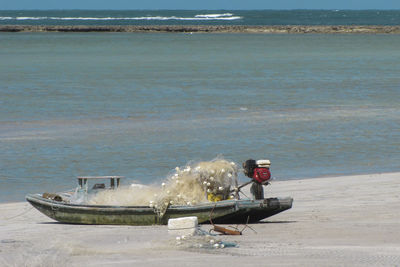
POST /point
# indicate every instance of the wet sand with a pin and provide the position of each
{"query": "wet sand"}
(335, 221)
(292, 29)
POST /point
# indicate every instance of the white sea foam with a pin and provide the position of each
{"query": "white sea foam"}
(214, 15)
(29, 18)
(226, 16)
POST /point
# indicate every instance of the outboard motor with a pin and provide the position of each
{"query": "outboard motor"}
(258, 171)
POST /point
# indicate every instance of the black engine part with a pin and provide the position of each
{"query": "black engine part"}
(248, 167)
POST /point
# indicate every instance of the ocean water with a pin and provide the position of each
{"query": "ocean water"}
(202, 17)
(139, 105)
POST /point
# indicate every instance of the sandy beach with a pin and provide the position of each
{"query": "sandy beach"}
(335, 221)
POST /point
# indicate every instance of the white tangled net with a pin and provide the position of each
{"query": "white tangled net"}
(189, 185)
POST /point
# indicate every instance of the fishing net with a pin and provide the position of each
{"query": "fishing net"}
(188, 185)
(202, 241)
(134, 195)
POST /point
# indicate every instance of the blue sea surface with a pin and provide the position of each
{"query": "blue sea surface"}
(139, 105)
(199, 17)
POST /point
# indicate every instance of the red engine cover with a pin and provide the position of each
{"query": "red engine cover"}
(261, 174)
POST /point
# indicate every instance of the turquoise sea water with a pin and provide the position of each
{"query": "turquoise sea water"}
(139, 105)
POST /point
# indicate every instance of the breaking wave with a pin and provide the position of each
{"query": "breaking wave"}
(225, 16)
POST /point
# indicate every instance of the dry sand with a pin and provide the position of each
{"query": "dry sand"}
(335, 221)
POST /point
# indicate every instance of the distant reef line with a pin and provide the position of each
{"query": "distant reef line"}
(290, 29)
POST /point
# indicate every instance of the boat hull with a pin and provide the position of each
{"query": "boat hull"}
(228, 211)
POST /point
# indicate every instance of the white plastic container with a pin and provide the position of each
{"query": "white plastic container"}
(183, 226)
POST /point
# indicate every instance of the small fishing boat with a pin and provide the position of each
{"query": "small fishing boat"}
(60, 208)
